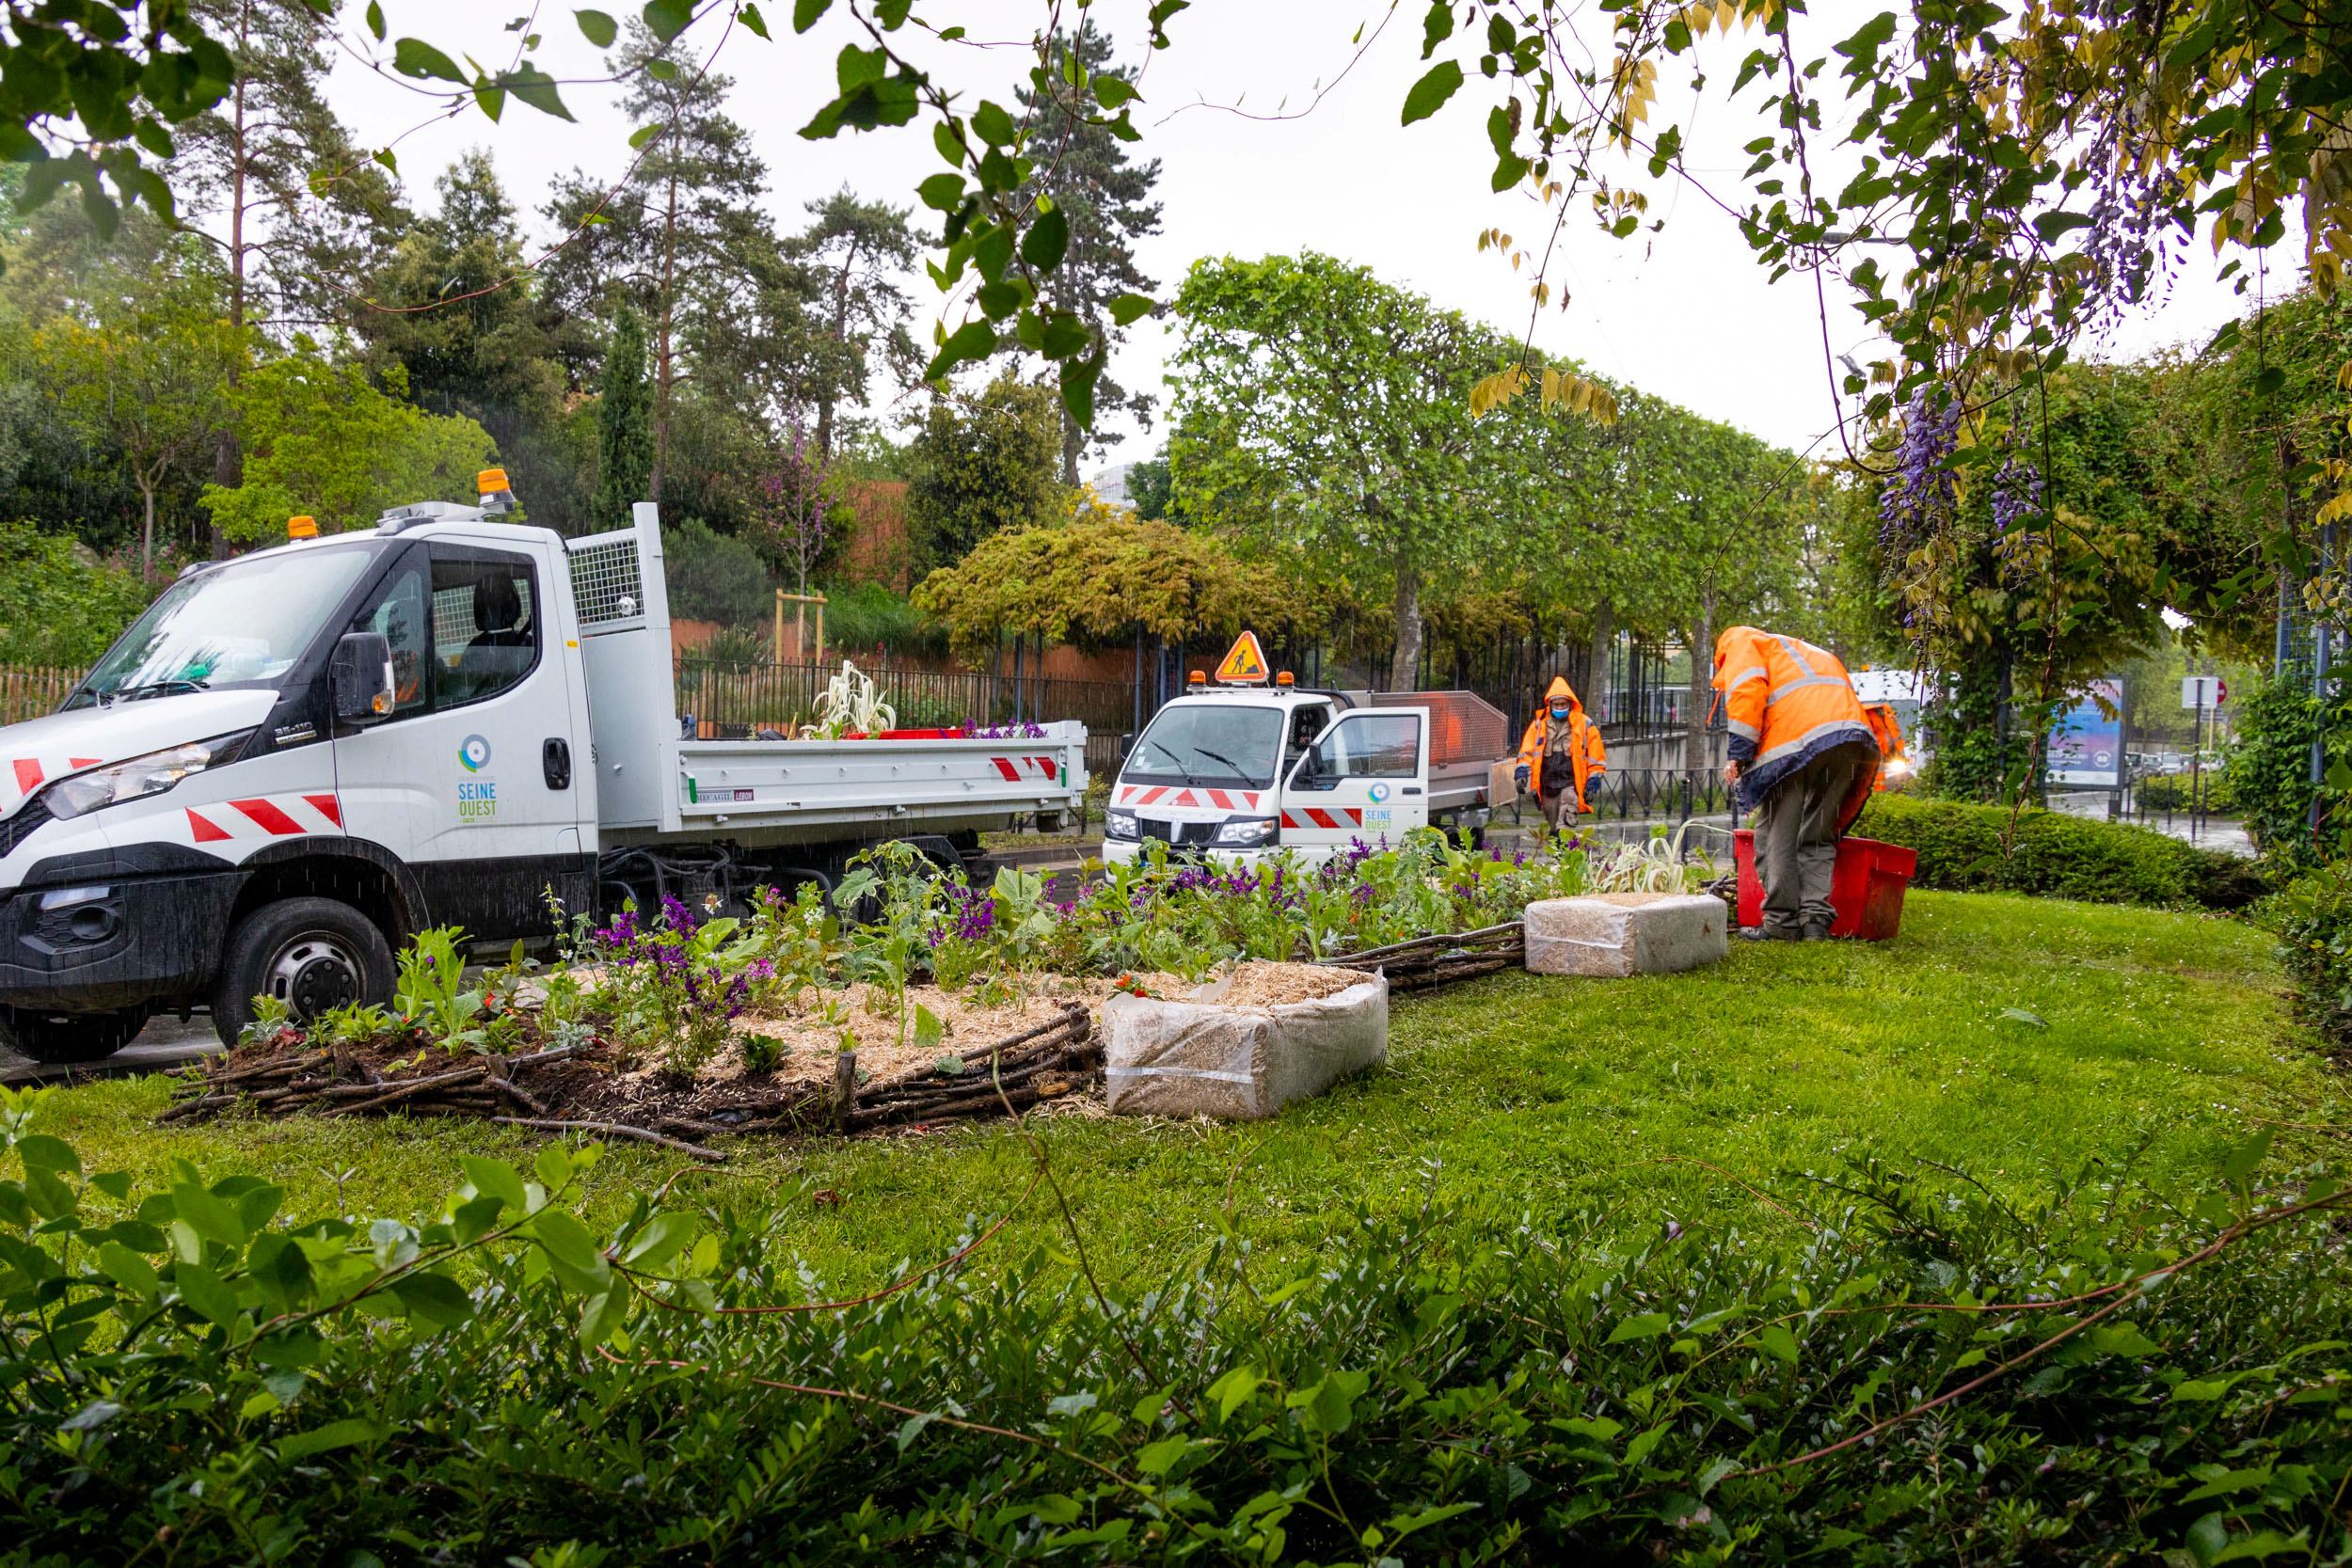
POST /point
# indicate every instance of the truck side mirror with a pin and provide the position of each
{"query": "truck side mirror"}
(1126, 744)
(361, 674)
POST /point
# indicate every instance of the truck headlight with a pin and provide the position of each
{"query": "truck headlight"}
(1121, 824)
(139, 777)
(1247, 830)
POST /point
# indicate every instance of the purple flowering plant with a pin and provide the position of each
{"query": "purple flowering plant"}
(682, 980)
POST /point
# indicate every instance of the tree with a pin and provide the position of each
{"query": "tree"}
(1084, 171)
(321, 441)
(150, 371)
(624, 424)
(1100, 576)
(461, 315)
(799, 490)
(60, 606)
(685, 239)
(983, 464)
(856, 250)
(1319, 408)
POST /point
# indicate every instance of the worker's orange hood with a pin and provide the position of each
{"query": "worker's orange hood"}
(1558, 688)
(1723, 642)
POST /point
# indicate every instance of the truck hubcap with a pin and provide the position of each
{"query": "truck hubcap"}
(315, 974)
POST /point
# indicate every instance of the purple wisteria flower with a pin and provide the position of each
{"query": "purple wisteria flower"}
(2016, 494)
(1923, 491)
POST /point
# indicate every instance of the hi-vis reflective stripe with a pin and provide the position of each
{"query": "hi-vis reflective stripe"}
(1010, 767)
(1137, 794)
(30, 774)
(265, 816)
(1780, 691)
(1318, 818)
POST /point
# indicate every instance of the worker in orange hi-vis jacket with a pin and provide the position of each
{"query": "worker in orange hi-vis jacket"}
(1560, 753)
(1887, 730)
(1803, 759)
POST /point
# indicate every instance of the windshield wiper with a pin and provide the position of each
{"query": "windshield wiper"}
(1239, 771)
(1161, 747)
(153, 688)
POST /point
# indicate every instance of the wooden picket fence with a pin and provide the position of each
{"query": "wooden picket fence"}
(28, 690)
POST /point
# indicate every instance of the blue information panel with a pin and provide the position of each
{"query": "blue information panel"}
(2086, 746)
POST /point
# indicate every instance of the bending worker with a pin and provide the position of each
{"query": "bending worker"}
(1559, 753)
(1804, 760)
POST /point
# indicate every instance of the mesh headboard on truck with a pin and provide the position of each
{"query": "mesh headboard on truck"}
(1463, 726)
(623, 602)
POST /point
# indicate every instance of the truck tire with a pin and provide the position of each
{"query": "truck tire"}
(312, 954)
(55, 1037)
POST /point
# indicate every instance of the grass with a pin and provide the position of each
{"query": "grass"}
(2163, 1038)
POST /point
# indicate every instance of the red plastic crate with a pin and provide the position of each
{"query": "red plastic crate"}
(1866, 889)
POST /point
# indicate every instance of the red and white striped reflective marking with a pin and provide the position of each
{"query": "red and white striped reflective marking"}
(1011, 767)
(1137, 794)
(30, 774)
(1317, 817)
(265, 816)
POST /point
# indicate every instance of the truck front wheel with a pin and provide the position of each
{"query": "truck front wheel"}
(54, 1037)
(314, 955)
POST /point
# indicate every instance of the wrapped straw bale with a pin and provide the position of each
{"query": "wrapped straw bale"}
(1228, 1052)
(1611, 935)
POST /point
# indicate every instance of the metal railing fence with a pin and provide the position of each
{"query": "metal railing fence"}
(728, 698)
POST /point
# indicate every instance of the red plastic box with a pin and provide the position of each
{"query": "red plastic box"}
(1866, 889)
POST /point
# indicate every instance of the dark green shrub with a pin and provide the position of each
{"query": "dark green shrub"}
(2177, 792)
(716, 576)
(869, 616)
(2313, 915)
(2270, 767)
(58, 607)
(2056, 855)
(493, 1382)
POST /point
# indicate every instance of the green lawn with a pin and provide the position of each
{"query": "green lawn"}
(2167, 1030)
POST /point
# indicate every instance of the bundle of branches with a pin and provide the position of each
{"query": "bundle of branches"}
(336, 1081)
(1050, 1060)
(1425, 963)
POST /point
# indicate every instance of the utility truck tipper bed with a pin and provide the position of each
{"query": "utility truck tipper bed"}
(297, 758)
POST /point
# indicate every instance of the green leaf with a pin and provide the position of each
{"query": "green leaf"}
(600, 29)
(1648, 1325)
(600, 1318)
(128, 1269)
(2051, 225)
(334, 1434)
(567, 1240)
(1429, 94)
(414, 57)
(668, 17)
(2123, 1340)
(538, 89)
(1047, 240)
(1778, 1341)
(942, 192)
(207, 1215)
(553, 1167)
(753, 21)
(1233, 1390)
(1714, 1473)
(994, 125)
(1129, 308)
(661, 1240)
(662, 70)
(1111, 91)
(375, 20)
(1077, 387)
(494, 1179)
(806, 12)
(1329, 1406)
(644, 134)
(204, 1293)
(2242, 1160)
(2019, 1015)
(434, 1301)
(973, 341)
(2199, 1392)
(40, 1151)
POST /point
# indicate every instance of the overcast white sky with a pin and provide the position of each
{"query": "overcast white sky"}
(1685, 315)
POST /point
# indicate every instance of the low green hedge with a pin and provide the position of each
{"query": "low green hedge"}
(2056, 855)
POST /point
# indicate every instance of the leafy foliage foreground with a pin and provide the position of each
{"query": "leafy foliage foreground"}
(1933, 1374)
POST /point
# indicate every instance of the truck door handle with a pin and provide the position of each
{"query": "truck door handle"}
(1412, 789)
(555, 762)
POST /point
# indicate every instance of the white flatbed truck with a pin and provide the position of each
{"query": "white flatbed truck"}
(299, 757)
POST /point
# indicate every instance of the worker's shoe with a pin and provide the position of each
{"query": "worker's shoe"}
(1770, 933)
(1816, 933)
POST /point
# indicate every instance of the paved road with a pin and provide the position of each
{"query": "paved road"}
(2211, 833)
(165, 1042)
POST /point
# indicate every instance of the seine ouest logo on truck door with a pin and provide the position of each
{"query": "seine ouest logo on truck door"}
(477, 798)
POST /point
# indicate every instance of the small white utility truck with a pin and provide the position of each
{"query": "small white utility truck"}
(1252, 766)
(299, 757)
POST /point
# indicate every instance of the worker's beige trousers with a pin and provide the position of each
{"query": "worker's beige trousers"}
(1796, 839)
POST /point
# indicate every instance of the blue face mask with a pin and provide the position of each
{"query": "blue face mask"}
(1560, 713)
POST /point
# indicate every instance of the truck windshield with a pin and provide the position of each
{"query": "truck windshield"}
(244, 624)
(1204, 744)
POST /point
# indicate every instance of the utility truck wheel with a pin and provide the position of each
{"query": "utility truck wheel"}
(312, 954)
(47, 1036)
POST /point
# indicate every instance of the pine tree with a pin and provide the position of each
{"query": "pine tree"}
(625, 443)
(857, 252)
(1085, 170)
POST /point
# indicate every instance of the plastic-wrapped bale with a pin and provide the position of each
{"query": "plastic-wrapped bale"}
(1609, 935)
(1200, 1057)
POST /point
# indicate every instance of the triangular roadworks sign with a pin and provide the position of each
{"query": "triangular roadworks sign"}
(1245, 662)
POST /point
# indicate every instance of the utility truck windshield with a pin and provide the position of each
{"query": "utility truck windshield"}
(1203, 744)
(244, 624)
